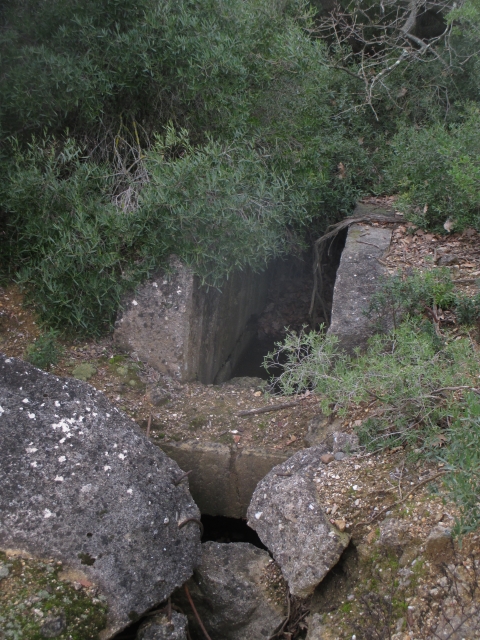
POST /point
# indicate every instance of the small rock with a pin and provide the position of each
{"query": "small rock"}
(4, 571)
(447, 260)
(53, 626)
(439, 545)
(339, 441)
(395, 536)
(319, 428)
(157, 396)
(316, 629)
(84, 371)
(160, 628)
(326, 458)
(339, 455)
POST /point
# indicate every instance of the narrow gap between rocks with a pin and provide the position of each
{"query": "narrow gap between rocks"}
(222, 529)
(288, 305)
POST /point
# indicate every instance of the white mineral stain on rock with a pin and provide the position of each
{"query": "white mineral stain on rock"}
(62, 459)
(25, 401)
(121, 456)
(258, 515)
(2, 410)
(57, 403)
(59, 479)
(106, 468)
(31, 450)
(48, 514)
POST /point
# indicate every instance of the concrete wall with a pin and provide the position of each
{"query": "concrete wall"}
(358, 277)
(222, 479)
(189, 331)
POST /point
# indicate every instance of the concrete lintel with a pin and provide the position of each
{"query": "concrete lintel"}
(222, 478)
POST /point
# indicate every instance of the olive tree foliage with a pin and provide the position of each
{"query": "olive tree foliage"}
(133, 130)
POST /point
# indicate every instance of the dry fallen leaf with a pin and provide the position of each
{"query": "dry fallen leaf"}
(340, 524)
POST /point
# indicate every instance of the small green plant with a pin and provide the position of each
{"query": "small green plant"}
(467, 309)
(45, 352)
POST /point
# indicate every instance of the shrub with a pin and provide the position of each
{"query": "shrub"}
(419, 385)
(420, 292)
(69, 246)
(436, 169)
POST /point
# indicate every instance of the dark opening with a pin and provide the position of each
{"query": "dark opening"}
(222, 529)
(288, 305)
(130, 633)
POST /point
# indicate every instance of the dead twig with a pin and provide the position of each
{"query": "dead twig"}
(184, 522)
(180, 478)
(285, 622)
(474, 389)
(199, 620)
(149, 425)
(273, 407)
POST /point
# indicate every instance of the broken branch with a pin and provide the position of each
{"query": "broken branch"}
(273, 407)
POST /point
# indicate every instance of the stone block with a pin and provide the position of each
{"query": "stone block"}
(189, 331)
(357, 280)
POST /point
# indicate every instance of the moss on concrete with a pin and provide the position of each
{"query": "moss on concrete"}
(35, 604)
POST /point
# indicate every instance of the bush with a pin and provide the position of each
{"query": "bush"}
(414, 294)
(204, 129)
(437, 172)
(219, 207)
(421, 389)
(69, 246)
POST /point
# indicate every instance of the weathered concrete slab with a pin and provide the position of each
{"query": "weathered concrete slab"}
(357, 280)
(81, 484)
(222, 478)
(189, 331)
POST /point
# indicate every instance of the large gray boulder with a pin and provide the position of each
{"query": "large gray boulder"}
(286, 513)
(81, 484)
(230, 590)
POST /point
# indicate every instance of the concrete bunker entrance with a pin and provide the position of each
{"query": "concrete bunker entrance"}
(291, 304)
(192, 332)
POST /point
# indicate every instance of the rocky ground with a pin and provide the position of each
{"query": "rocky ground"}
(391, 584)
